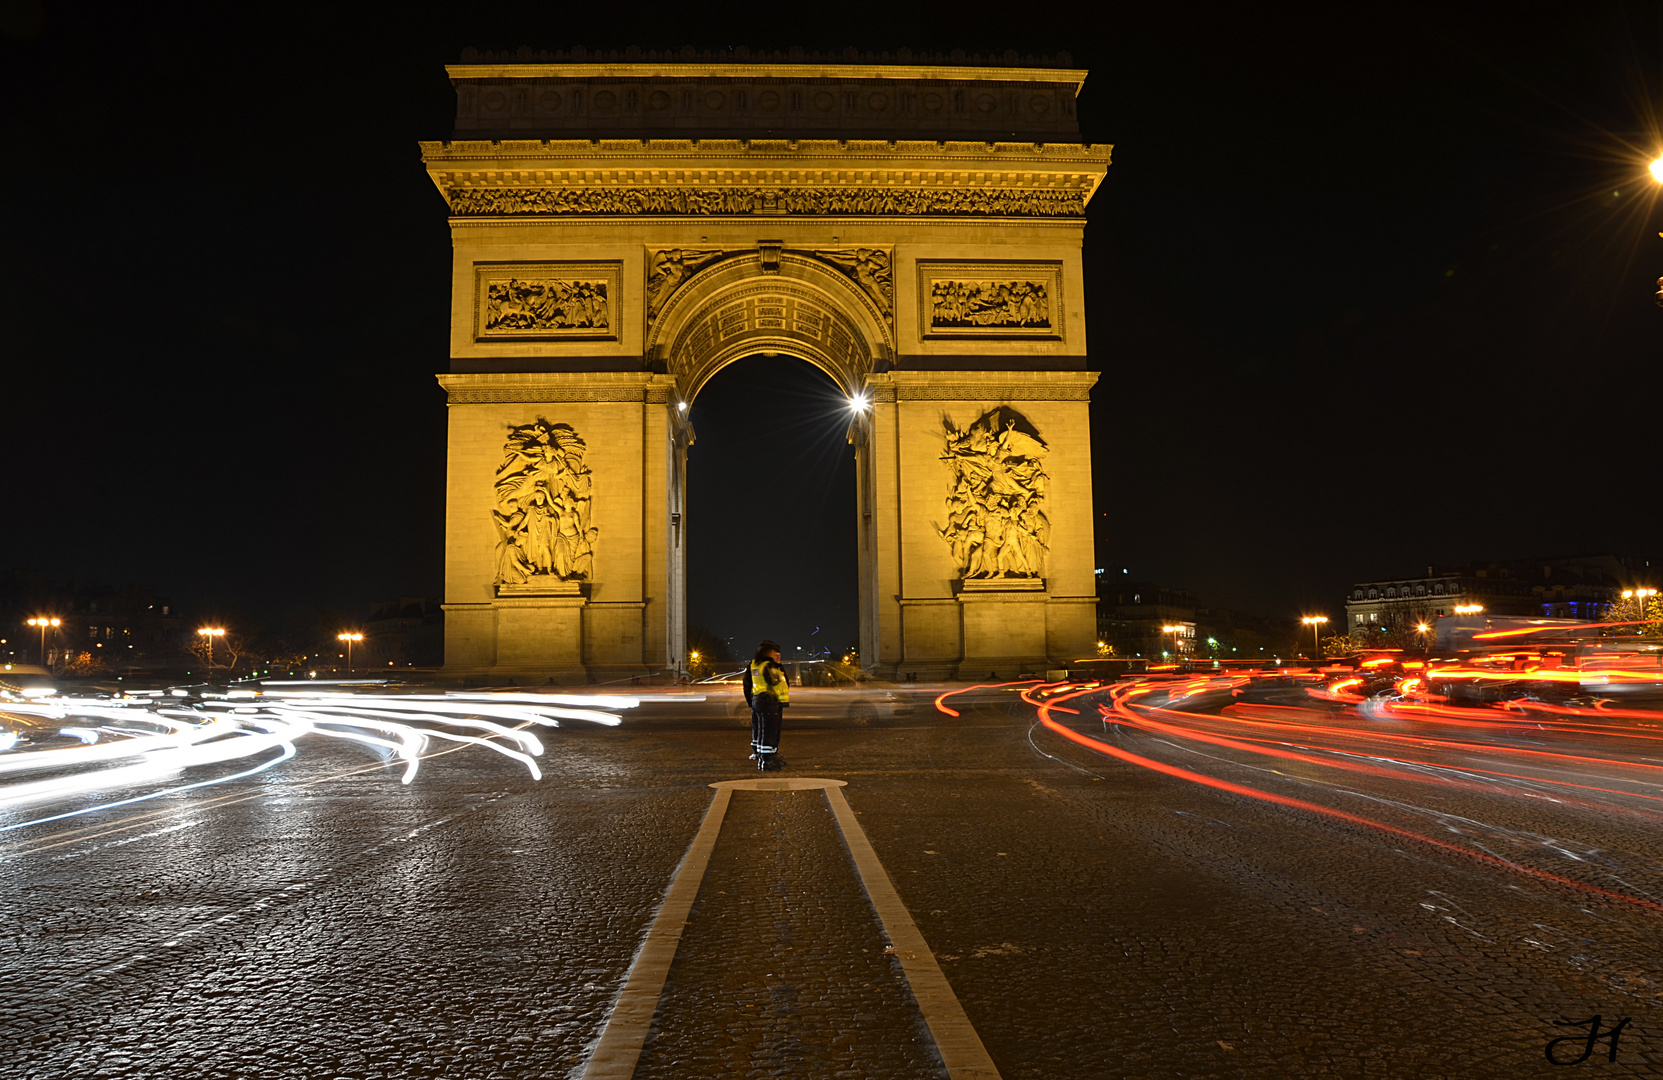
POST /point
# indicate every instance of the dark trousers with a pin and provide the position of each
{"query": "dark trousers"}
(766, 716)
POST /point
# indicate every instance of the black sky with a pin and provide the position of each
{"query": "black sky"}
(1369, 286)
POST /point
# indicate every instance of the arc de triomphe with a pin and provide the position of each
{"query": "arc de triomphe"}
(624, 225)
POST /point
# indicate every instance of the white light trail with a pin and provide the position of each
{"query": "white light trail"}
(141, 739)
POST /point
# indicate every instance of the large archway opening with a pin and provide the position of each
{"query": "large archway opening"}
(772, 546)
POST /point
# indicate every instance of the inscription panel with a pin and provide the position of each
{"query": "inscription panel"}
(546, 301)
(990, 300)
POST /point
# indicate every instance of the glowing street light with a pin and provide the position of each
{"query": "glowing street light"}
(349, 636)
(43, 622)
(1316, 623)
(1174, 631)
(1468, 609)
(1639, 598)
(857, 403)
(208, 634)
(1656, 168)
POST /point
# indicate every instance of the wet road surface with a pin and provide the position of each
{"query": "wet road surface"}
(1095, 917)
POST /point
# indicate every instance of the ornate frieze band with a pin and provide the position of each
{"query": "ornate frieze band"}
(738, 201)
(546, 301)
(990, 299)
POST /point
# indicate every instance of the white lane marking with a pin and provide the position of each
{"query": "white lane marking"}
(619, 1047)
(961, 1048)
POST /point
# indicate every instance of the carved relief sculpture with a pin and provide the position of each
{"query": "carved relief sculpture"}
(543, 496)
(869, 267)
(668, 269)
(989, 304)
(996, 521)
(546, 300)
(516, 305)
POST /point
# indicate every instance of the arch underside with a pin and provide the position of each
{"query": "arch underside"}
(803, 309)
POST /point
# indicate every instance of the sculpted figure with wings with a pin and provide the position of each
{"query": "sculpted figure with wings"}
(996, 526)
(870, 269)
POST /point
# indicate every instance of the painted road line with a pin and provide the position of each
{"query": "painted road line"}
(619, 1048)
(961, 1048)
(626, 1028)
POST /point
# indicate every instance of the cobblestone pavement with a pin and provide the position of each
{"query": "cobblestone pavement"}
(1094, 918)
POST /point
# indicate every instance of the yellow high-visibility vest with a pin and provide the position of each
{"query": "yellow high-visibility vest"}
(760, 684)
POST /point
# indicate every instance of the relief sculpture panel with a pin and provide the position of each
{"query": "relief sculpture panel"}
(997, 526)
(543, 301)
(990, 300)
(545, 543)
(989, 303)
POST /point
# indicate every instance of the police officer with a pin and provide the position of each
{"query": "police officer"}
(767, 693)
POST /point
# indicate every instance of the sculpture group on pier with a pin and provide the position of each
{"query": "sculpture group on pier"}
(996, 521)
(543, 491)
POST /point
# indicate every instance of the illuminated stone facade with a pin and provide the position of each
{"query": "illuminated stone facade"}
(599, 281)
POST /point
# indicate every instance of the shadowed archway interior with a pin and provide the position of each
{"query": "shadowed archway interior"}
(775, 560)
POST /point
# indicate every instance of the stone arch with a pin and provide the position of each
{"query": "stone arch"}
(790, 303)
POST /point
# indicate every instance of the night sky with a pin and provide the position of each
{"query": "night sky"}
(1370, 288)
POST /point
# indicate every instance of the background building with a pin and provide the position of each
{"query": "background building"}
(1584, 588)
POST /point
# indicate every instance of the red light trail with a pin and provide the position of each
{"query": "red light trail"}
(1403, 732)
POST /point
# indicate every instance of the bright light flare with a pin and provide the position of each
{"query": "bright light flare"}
(858, 403)
(1656, 169)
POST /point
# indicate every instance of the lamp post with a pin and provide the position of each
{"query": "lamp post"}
(1468, 609)
(1174, 631)
(1656, 170)
(1315, 622)
(1639, 598)
(43, 622)
(208, 634)
(349, 636)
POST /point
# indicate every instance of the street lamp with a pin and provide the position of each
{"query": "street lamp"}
(1174, 631)
(1639, 598)
(43, 622)
(349, 637)
(1656, 168)
(208, 634)
(1316, 623)
(1468, 609)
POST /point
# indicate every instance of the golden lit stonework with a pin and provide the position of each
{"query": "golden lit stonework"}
(623, 229)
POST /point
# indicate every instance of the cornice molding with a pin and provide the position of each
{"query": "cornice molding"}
(703, 151)
(556, 386)
(989, 386)
(1075, 77)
